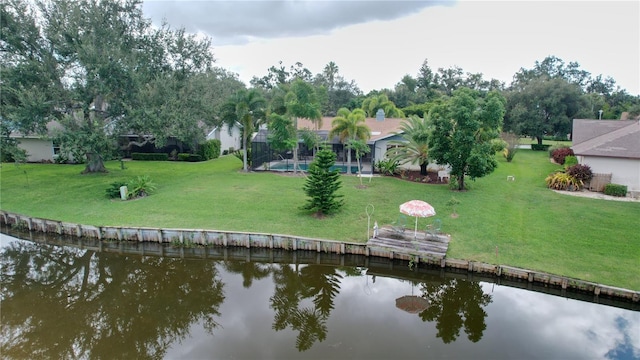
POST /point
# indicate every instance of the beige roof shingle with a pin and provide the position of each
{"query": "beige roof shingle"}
(607, 138)
(379, 129)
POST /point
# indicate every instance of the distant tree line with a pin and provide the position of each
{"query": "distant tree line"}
(100, 70)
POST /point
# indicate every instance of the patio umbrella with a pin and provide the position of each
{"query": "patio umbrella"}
(417, 208)
(412, 304)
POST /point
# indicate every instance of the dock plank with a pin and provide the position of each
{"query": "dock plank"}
(410, 243)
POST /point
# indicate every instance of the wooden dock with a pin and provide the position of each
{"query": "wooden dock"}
(422, 244)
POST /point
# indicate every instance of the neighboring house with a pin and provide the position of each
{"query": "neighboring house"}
(610, 147)
(38, 148)
(227, 141)
(383, 130)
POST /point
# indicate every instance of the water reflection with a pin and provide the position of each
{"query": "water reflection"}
(73, 302)
(62, 302)
(456, 304)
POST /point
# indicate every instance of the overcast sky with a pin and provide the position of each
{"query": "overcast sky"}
(377, 42)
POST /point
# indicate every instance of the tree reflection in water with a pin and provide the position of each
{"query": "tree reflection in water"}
(321, 284)
(456, 303)
(69, 302)
(63, 302)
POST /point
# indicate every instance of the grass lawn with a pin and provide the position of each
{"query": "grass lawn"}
(522, 221)
(529, 141)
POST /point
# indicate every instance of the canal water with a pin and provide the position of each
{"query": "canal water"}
(65, 298)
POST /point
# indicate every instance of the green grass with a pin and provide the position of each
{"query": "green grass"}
(530, 226)
(529, 141)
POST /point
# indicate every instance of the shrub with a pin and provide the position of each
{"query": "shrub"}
(555, 147)
(240, 155)
(150, 156)
(189, 157)
(387, 166)
(194, 158)
(141, 186)
(113, 191)
(498, 145)
(570, 161)
(210, 149)
(540, 147)
(580, 172)
(563, 181)
(615, 190)
(509, 154)
(560, 154)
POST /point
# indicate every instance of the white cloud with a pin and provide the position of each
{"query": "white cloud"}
(379, 46)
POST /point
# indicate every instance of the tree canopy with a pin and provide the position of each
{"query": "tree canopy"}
(463, 129)
(101, 70)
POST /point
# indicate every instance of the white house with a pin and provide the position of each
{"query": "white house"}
(227, 141)
(38, 148)
(610, 146)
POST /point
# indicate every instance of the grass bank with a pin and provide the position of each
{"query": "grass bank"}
(518, 223)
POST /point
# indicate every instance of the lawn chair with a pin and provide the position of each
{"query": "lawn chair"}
(434, 229)
(400, 225)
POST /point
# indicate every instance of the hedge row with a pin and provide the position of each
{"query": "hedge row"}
(150, 156)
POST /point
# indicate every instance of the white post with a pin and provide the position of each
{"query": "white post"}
(123, 192)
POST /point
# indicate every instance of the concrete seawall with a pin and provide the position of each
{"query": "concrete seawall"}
(190, 237)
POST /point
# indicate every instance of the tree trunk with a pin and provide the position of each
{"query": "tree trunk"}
(539, 139)
(95, 164)
(423, 168)
(295, 150)
(348, 161)
(461, 182)
(244, 154)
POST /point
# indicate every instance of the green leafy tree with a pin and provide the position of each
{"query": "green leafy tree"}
(99, 68)
(414, 146)
(246, 110)
(463, 130)
(301, 102)
(336, 91)
(350, 126)
(282, 134)
(545, 106)
(322, 185)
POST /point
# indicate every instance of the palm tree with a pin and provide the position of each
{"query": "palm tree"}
(246, 110)
(350, 126)
(373, 103)
(414, 146)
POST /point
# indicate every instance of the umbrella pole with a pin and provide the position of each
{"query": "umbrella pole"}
(415, 232)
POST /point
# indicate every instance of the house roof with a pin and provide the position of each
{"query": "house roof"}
(380, 129)
(607, 138)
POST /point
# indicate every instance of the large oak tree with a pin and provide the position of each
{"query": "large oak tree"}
(100, 69)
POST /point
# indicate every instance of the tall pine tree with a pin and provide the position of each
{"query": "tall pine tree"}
(322, 184)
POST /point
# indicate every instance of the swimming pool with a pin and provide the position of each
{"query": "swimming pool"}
(305, 167)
